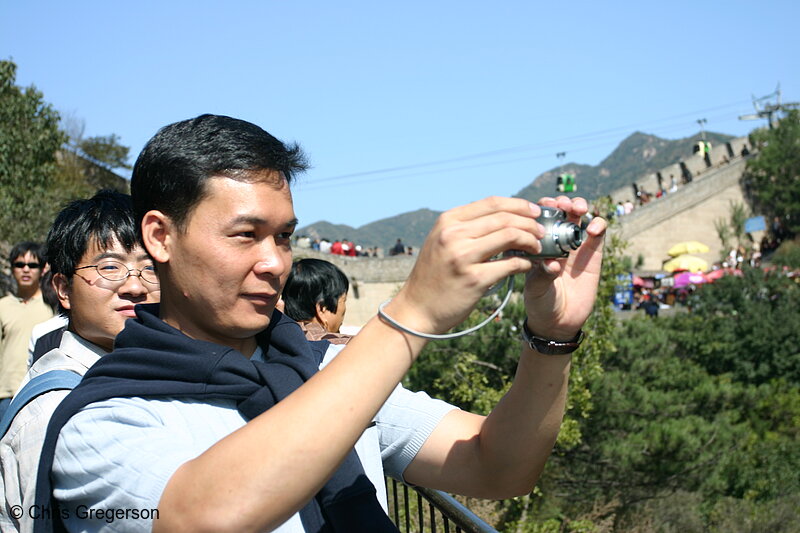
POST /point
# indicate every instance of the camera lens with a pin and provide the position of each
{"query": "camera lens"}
(568, 236)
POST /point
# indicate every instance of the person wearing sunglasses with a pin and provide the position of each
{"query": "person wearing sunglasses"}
(19, 313)
(100, 273)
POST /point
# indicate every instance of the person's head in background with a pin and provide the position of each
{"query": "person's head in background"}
(27, 264)
(99, 269)
(316, 291)
(48, 292)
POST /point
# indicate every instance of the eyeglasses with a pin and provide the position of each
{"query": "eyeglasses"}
(22, 264)
(116, 271)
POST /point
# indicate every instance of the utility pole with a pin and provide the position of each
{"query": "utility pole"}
(702, 121)
(769, 110)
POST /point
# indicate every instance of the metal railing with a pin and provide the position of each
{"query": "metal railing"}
(419, 510)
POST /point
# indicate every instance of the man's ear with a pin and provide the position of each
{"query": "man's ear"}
(320, 315)
(156, 229)
(62, 288)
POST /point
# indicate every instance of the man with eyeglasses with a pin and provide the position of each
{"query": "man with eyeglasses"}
(100, 272)
(18, 315)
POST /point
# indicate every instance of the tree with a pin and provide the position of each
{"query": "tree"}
(105, 151)
(29, 139)
(703, 403)
(728, 230)
(772, 178)
(42, 166)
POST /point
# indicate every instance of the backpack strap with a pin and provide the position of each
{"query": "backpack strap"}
(49, 381)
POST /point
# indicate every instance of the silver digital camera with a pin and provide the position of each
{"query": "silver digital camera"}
(560, 237)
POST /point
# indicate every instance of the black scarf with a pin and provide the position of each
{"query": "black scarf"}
(153, 359)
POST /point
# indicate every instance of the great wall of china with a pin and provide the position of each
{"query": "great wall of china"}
(687, 214)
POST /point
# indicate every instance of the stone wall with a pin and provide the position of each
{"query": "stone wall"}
(695, 164)
(688, 214)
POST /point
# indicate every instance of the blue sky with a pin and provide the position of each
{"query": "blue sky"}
(465, 99)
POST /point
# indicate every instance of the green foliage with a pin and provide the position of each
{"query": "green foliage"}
(682, 512)
(37, 174)
(29, 138)
(772, 178)
(739, 214)
(733, 228)
(788, 254)
(106, 151)
(652, 429)
(705, 405)
(748, 326)
(725, 235)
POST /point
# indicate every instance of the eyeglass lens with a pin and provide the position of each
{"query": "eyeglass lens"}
(22, 264)
(114, 271)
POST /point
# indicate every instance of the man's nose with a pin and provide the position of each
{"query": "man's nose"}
(273, 260)
(134, 284)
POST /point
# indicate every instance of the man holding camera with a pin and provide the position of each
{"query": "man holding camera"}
(209, 408)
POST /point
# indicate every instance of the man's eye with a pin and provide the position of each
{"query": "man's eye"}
(109, 268)
(247, 234)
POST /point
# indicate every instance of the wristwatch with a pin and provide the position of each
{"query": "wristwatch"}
(550, 347)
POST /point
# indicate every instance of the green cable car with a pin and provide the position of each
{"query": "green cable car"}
(566, 183)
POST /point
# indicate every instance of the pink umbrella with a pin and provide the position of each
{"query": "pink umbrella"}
(688, 278)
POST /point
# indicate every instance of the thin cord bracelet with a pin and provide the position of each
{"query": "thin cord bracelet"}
(397, 325)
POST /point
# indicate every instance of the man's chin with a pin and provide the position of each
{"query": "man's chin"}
(252, 327)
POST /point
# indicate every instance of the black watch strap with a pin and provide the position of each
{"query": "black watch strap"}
(550, 347)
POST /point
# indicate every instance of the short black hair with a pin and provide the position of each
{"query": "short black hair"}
(106, 217)
(170, 173)
(22, 248)
(313, 281)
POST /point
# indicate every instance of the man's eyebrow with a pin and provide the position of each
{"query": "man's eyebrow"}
(108, 255)
(258, 221)
(119, 256)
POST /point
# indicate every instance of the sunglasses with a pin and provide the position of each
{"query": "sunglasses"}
(22, 264)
